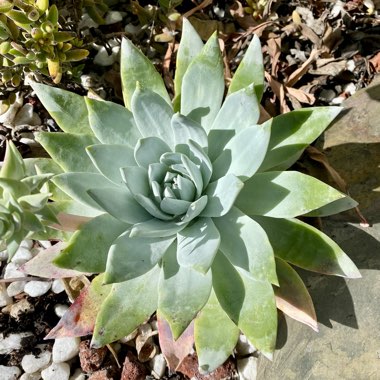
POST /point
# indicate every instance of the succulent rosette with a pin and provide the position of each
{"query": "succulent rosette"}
(23, 201)
(194, 215)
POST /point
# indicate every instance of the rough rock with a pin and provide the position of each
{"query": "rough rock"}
(56, 371)
(65, 349)
(33, 363)
(9, 373)
(21, 307)
(91, 358)
(133, 369)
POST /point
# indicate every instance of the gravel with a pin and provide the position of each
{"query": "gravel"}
(37, 288)
(35, 363)
(9, 373)
(56, 371)
(65, 349)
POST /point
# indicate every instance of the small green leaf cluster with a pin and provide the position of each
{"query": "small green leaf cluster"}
(31, 39)
(194, 213)
(95, 9)
(23, 201)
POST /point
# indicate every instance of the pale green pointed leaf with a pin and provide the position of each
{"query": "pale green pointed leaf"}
(198, 155)
(148, 150)
(284, 194)
(186, 129)
(151, 207)
(174, 206)
(193, 171)
(67, 108)
(215, 335)
(217, 140)
(198, 244)
(68, 150)
(222, 195)
(246, 245)
(334, 207)
(250, 70)
(189, 47)
(292, 297)
(293, 132)
(182, 293)
(195, 209)
(243, 154)
(37, 181)
(305, 246)
(33, 201)
(131, 257)
(13, 166)
(119, 203)
(203, 85)
(108, 159)
(152, 115)
(248, 302)
(14, 187)
(156, 228)
(136, 179)
(76, 186)
(135, 67)
(74, 208)
(88, 248)
(128, 305)
(112, 123)
(239, 110)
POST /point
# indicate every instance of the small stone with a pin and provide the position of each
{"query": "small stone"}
(113, 17)
(22, 255)
(91, 358)
(158, 365)
(45, 243)
(78, 375)
(30, 376)
(60, 310)
(12, 271)
(9, 373)
(33, 363)
(15, 288)
(65, 349)
(56, 371)
(57, 286)
(4, 296)
(244, 346)
(103, 59)
(11, 342)
(37, 288)
(27, 243)
(100, 375)
(132, 369)
(3, 255)
(21, 307)
(247, 368)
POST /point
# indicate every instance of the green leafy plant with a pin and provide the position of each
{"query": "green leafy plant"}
(31, 39)
(23, 201)
(194, 213)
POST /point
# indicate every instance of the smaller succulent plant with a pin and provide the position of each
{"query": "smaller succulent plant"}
(39, 45)
(24, 207)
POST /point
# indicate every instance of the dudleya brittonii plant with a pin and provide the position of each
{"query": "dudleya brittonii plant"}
(194, 215)
(23, 201)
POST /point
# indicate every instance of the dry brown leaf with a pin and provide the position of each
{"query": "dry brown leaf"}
(274, 50)
(202, 5)
(145, 347)
(243, 19)
(301, 95)
(328, 66)
(68, 222)
(296, 75)
(375, 62)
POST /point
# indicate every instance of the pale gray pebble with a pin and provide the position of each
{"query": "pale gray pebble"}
(4, 296)
(112, 17)
(30, 376)
(57, 286)
(12, 342)
(56, 371)
(3, 255)
(244, 346)
(27, 244)
(65, 349)
(103, 59)
(158, 366)
(31, 363)
(9, 373)
(78, 375)
(60, 309)
(22, 255)
(247, 368)
(12, 271)
(15, 288)
(45, 243)
(37, 288)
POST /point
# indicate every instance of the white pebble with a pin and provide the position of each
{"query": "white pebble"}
(65, 349)
(15, 288)
(244, 346)
(4, 297)
(3, 255)
(9, 373)
(37, 288)
(57, 286)
(45, 243)
(113, 17)
(60, 310)
(103, 59)
(11, 342)
(56, 371)
(247, 368)
(31, 363)
(30, 376)
(78, 375)
(158, 365)
(27, 243)
(22, 255)
(12, 271)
